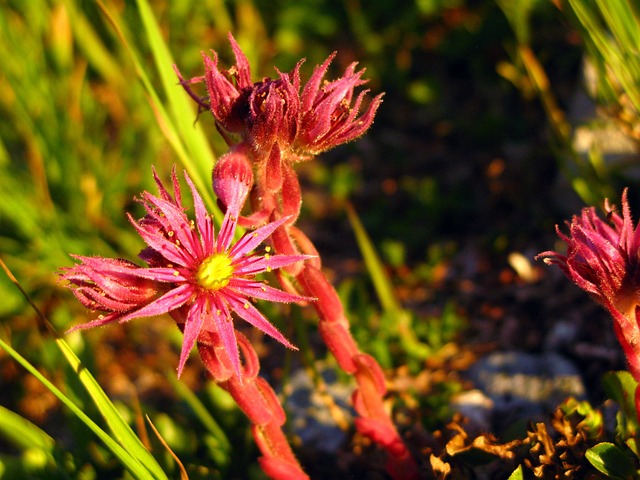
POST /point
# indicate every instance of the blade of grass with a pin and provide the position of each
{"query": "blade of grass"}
(140, 456)
(201, 412)
(93, 47)
(380, 280)
(22, 433)
(179, 103)
(617, 43)
(401, 318)
(164, 120)
(133, 465)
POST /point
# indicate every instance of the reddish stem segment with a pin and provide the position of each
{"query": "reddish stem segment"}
(374, 422)
(258, 401)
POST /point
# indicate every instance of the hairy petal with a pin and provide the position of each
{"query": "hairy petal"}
(193, 325)
(252, 239)
(253, 265)
(203, 220)
(224, 325)
(99, 322)
(250, 314)
(171, 300)
(251, 288)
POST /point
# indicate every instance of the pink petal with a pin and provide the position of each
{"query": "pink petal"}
(250, 314)
(161, 274)
(242, 64)
(227, 231)
(250, 288)
(192, 327)
(224, 324)
(169, 301)
(180, 226)
(161, 189)
(96, 323)
(255, 264)
(156, 240)
(313, 85)
(203, 220)
(252, 239)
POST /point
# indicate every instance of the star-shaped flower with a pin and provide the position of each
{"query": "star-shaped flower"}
(198, 277)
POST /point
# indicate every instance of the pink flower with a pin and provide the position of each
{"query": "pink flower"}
(273, 114)
(603, 258)
(327, 116)
(198, 278)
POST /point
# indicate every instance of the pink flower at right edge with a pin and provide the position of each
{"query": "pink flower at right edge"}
(197, 278)
(603, 258)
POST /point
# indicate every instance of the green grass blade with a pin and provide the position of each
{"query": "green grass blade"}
(132, 464)
(613, 28)
(167, 126)
(93, 47)
(180, 104)
(380, 280)
(400, 318)
(201, 412)
(137, 455)
(22, 433)
(121, 429)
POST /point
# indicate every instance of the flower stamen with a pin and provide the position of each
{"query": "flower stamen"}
(215, 272)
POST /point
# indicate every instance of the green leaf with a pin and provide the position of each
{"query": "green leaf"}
(21, 433)
(381, 282)
(221, 446)
(610, 460)
(200, 156)
(132, 464)
(592, 422)
(401, 318)
(621, 387)
(517, 474)
(135, 457)
(169, 124)
(121, 429)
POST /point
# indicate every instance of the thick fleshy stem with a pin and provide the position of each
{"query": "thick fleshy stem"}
(258, 401)
(374, 421)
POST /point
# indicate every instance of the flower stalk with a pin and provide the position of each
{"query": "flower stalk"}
(259, 403)
(202, 281)
(276, 123)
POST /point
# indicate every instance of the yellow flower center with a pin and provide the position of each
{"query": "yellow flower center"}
(215, 272)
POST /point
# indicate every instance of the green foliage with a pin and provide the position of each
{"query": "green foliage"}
(517, 474)
(621, 387)
(122, 442)
(610, 460)
(589, 420)
(400, 334)
(611, 29)
(611, 33)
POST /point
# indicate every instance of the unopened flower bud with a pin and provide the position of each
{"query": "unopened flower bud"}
(233, 179)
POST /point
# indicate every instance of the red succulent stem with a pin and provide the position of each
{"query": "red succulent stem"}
(258, 401)
(374, 422)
